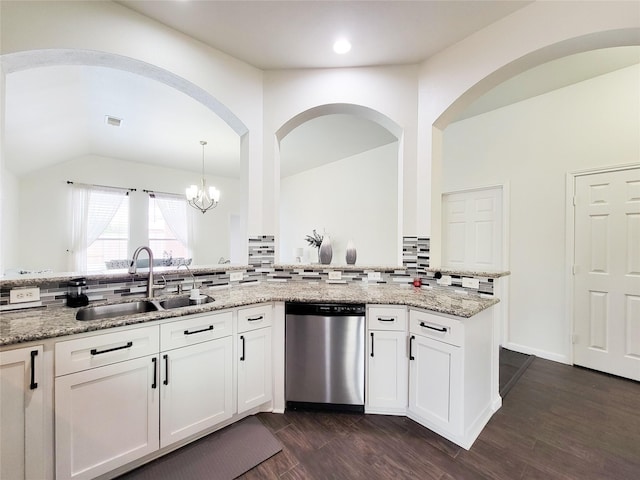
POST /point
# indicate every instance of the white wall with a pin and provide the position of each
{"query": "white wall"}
(531, 146)
(114, 29)
(45, 222)
(391, 91)
(352, 199)
(9, 203)
(452, 79)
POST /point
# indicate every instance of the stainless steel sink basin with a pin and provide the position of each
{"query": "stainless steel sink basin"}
(115, 310)
(179, 302)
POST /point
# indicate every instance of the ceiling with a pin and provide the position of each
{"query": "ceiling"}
(48, 121)
(300, 34)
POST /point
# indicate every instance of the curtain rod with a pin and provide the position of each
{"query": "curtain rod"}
(152, 192)
(69, 182)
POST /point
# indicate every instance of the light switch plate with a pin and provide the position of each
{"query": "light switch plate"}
(470, 282)
(335, 275)
(445, 280)
(21, 295)
(236, 276)
(373, 276)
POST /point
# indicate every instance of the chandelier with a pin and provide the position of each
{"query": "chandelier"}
(203, 198)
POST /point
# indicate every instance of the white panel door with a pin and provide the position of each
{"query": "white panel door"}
(387, 371)
(607, 278)
(472, 229)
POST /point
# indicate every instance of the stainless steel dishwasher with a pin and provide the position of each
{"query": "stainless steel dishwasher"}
(324, 356)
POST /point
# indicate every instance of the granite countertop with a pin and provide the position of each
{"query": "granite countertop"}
(51, 322)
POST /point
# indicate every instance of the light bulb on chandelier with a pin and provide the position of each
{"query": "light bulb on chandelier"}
(203, 198)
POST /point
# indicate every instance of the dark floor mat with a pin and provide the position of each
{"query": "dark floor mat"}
(223, 455)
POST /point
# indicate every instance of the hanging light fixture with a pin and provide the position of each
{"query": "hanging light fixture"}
(203, 198)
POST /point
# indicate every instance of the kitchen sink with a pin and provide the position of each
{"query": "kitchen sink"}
(115, 310)
(179, 302)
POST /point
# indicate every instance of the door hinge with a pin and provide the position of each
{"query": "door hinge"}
(574, 269)
(574, 338)
(575, 201)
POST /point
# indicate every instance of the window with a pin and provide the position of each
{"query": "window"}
(99, 226)
(168, 227)
(112, 243)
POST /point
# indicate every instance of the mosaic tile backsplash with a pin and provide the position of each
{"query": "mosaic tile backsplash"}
(415, 259)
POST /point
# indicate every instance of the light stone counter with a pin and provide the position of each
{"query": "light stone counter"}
(42, 323)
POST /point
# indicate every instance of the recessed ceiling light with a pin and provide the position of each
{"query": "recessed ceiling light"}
(342, 46)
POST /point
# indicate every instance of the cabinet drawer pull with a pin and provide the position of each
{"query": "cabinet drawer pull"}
(33, 385)
(166, 369)
(372, 344)
(411, 338)
(100, 352)
(437, 329)
(390, 319)
(242, 356)
(154, 360)
(255, 319)
(210, 327)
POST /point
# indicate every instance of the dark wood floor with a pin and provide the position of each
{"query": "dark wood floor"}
(558, 422)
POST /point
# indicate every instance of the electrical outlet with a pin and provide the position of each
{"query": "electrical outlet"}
(236, 276)
(445, 280)
(373, 276)
(470, 282)
(21, 295)
(335, 275)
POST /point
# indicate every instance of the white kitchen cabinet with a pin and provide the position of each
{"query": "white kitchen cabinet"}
(450, 374)
(387, 360)
(254, 361)
(106, 417)
(197, 379)
(22, 414)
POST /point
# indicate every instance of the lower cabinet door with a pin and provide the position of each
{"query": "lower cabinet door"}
(197, 384)
(435, 383)
(254, 369)
(21, 414)
(106, 417)
(387, 387)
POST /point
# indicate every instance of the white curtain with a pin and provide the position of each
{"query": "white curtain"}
(92, 209)
(174, 211)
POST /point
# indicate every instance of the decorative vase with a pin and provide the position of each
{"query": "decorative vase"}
(351, 253)
(326, 252)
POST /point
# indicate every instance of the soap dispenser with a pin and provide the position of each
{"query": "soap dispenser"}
(75, 295)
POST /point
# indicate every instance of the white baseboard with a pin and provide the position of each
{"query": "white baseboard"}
(555, 357)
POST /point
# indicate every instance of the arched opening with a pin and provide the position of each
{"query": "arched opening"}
(355, 153)
(227, 223)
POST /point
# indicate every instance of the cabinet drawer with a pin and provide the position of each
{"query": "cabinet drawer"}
(254, 317)
(387, 318)
(105, 349)
(195, 329)
(434, 326)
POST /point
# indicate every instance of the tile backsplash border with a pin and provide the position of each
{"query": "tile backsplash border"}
(261, 268)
